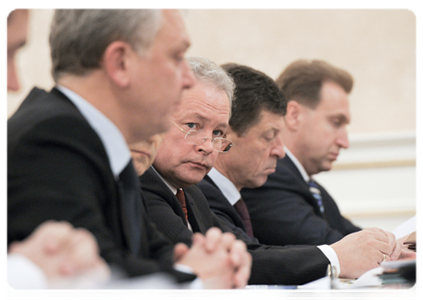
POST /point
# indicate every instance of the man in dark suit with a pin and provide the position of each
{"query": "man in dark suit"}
(67, 152)
(293, 208)
(54, 248)
(186, 155)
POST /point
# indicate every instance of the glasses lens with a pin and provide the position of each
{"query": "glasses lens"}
(223, 145)
(226, 145)
(194, 137)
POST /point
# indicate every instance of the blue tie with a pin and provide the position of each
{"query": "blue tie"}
(314, 189)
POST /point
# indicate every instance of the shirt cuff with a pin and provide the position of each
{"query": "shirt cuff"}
(332, 257)
(196, 283)
(22, 273)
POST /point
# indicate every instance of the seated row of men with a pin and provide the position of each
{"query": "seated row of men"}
(200, 136)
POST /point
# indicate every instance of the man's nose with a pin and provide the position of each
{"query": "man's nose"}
(278, 149)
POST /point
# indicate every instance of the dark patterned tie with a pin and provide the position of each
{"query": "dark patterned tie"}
(314, 189)
(129, 189)
(242, 210)
(181, 198)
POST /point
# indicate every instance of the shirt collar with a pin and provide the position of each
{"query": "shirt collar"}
(225, 185)
(113, 141)
(298, 165)
(171, 187)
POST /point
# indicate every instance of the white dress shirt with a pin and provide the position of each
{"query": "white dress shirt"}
(113, 141)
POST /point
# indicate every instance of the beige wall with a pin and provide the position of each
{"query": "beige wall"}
(378, 47)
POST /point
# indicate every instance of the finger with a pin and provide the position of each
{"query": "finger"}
(382, 247)
(81, 252)
(179, 251)
(392, 239)
(227, 240)
(198, 240)
(244, 270)
(378, 234)
(213, 237)
(407, 254)
(14, 246)
(237, 252)
(396, 251)
(55, 235)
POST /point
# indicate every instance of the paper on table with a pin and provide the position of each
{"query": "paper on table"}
(368, 279)
(405, 228)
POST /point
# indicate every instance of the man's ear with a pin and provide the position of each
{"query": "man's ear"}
(293, 115)
(116, 61)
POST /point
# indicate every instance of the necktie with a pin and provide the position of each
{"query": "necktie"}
(131, 197)
(314, 189)
(242, 210)
(181, 198)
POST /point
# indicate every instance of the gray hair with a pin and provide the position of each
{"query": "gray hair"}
(209, 72)
(79, 37)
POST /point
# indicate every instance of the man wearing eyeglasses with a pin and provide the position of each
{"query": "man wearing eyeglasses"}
(188, 152)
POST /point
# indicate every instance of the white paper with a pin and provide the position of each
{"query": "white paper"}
(407, 227)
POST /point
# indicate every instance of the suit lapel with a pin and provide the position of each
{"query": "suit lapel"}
(221, 203)
(302, 185)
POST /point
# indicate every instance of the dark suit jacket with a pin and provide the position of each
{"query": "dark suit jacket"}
(284, 212)
(271, 265)
(222, 208)
(58, 170)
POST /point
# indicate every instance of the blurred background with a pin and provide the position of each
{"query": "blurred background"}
(374, 181)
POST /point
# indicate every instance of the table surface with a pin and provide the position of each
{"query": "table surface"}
(389, 292)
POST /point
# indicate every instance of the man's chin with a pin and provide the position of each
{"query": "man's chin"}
(188, 182)
(326, 167)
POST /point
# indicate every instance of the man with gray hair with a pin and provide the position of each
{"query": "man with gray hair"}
(200, 136)
(187, 153)
(118, 74)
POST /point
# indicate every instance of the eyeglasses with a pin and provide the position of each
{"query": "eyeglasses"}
(196, 137)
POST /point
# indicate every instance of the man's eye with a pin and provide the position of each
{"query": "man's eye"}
(191, 125)
(179, 57)
(270, 136)
(337, 123)
(218, 133)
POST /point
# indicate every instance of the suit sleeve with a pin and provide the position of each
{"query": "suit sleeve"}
(271, 264)
(55, 173)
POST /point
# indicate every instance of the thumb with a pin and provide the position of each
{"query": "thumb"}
(179, 251)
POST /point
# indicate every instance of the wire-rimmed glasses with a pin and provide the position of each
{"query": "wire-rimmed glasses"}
(196, 137)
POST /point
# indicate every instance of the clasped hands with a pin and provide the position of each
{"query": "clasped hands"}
(62, 251)
(218, 259)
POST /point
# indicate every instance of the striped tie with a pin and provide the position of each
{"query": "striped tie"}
(181, 198)
(314, 189)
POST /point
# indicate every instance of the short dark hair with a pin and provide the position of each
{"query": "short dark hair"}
(302, 80)
(254, 92)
